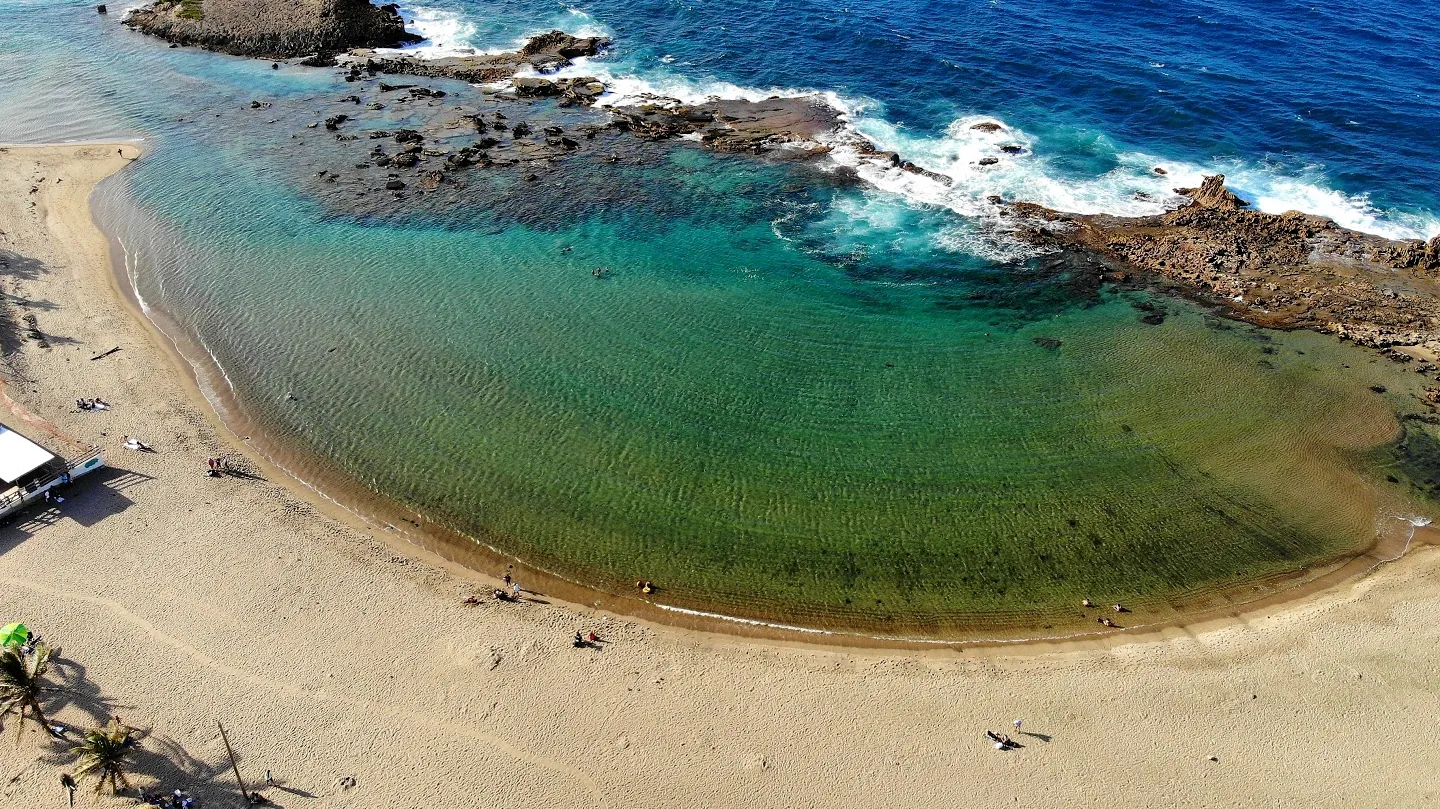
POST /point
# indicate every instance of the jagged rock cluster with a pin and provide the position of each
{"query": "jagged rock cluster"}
(545, 53)
(736, 125)
(272, 30)
(1288, 270)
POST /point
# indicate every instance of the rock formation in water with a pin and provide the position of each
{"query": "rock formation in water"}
(1286, 271)
(272, 30)
(1289, 270)
(736, 125)
(544, 53)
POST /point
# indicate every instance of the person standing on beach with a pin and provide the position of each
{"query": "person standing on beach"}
(1016, 723)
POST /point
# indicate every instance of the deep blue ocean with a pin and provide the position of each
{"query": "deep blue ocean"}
(1331, 108)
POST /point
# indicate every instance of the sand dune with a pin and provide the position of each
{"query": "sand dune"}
(327, 652)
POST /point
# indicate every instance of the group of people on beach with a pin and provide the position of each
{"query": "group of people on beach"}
(217, 466)
(92, 404)
(510, 592)
(1102, 620)
(1003, 742)
(175, 800)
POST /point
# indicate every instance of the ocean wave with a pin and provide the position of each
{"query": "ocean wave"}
(449, 33)
(982, 155)
(446, 33)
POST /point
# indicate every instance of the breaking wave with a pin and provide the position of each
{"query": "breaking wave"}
(982, 155)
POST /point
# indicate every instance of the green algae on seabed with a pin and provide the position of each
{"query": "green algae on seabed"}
(773, 407)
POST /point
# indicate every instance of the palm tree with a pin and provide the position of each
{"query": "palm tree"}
(21, 686)
(106, 752)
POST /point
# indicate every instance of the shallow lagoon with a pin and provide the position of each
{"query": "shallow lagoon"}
(794, 398)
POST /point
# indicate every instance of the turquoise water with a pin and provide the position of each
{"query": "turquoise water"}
(794, 398)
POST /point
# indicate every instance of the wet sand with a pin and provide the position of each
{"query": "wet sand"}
(330, 650)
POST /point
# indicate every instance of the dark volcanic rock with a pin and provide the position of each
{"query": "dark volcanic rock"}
(733, 125)
(274, 30)
(572, 91)
(546, 52)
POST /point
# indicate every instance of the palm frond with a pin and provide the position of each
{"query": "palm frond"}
(105, 752)
(21, 683)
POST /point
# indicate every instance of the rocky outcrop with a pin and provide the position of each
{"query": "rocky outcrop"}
(583, 91)
(1212, 193)
(736, 125)
(273, 30)
(1288, 270)
(545, 53)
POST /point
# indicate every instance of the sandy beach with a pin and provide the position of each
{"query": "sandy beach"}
(330, 653)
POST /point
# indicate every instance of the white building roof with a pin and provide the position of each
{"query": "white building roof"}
(19, 456)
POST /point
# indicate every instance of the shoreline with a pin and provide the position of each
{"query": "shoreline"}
(187, 599)
(338, 496)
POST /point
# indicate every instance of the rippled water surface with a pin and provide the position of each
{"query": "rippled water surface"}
(794, 398)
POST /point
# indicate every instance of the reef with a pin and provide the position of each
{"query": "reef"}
(1285, 271)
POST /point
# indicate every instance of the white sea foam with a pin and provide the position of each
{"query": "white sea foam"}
(448, 33)
(1130, 188)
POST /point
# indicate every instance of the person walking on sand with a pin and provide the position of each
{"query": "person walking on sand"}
(1016, 723)
(515, 590)
(68, 781)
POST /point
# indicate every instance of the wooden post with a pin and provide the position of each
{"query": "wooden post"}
(244, 793)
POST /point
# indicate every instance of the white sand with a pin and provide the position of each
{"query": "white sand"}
(182, 599)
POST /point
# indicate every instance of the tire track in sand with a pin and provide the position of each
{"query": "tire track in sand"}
(514, 751)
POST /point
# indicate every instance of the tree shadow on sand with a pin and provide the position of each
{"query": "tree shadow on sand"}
(14, 308)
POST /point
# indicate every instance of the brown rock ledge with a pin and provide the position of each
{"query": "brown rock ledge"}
(1287, 271)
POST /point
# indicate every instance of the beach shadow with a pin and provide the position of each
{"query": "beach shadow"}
(13, 326)
(31, 303)
(1044, 737)
(76, 690)
(292, 790)
(88, 500)
(23, 267)
(99, 495)
(236, 473)
(169, 766)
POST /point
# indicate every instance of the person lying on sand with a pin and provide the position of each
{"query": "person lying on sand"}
(136, 444)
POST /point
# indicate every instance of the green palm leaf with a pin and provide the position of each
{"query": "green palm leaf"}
(105, 752)
(22, 684)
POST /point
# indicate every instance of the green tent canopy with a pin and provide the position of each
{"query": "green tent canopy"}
(14, 635)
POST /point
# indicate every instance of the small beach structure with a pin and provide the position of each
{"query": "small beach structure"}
(28, 470)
